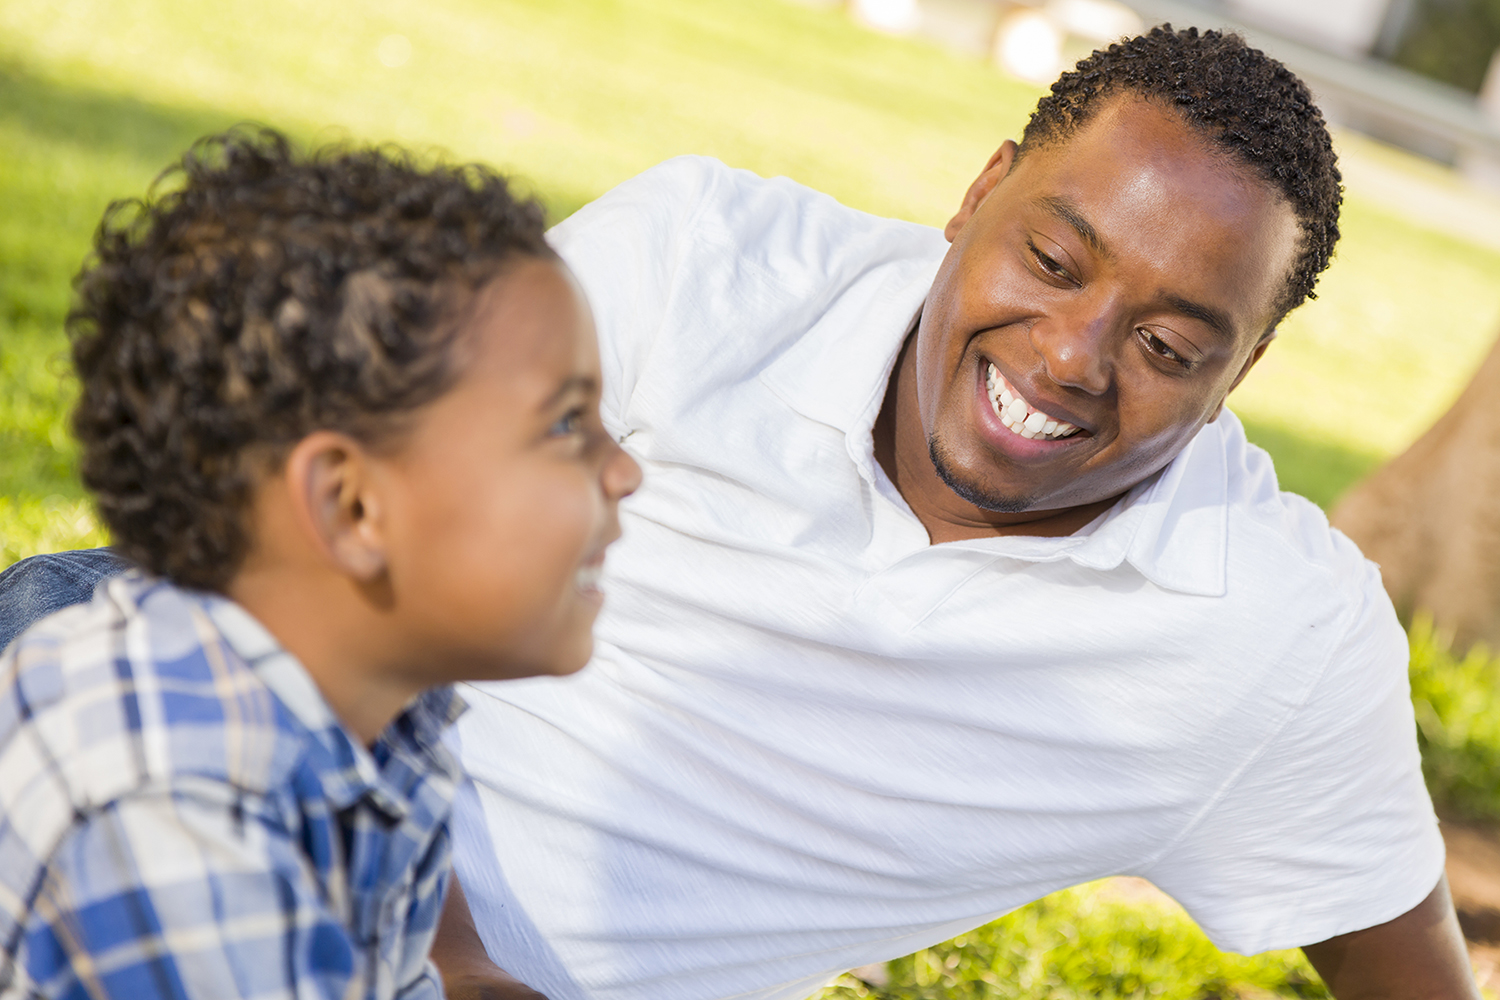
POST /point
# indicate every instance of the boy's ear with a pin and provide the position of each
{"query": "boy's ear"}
(334, 498)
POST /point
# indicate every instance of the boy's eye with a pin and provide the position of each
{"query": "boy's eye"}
(568, 424)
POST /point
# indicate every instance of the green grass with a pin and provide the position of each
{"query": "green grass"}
(1402, 318)
(1458, 724)
(576, 95)
(96, 96)
(1086, 943)
(47, 524)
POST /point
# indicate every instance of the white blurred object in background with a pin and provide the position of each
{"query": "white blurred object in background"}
(1096, 21)
(1348, 27)
(1482, 166)
(1028, 44)
(1033, 43)
(1334, 45)
(895, 16)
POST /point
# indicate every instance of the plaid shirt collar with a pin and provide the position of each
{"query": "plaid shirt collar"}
(414, 734)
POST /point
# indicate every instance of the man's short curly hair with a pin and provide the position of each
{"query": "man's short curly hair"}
(1242, 100)
(257, 295)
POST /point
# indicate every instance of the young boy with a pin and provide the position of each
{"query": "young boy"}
(343, 413)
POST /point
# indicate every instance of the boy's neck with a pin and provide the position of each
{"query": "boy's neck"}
(337, 639)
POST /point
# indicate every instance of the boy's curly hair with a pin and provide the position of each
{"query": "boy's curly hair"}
(256, 295)
(1242, 100)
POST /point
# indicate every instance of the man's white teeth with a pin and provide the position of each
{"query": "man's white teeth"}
(1017, 415)
(587, 577)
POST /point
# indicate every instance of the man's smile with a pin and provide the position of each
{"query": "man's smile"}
(1024, 430)
(1018, 415)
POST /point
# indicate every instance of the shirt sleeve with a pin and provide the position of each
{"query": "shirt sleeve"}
(173, 895)
(1328, 827)
(626, 249)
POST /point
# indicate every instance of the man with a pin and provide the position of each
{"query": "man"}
(951, 582)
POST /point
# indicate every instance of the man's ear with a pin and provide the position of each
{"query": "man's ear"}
(336, 504)
(991, 175)
(1255, 355)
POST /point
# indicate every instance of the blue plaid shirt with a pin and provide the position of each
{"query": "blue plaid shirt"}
(181, 814)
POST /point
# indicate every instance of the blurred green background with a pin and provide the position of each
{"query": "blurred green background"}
(574, 96)
(1450, 40)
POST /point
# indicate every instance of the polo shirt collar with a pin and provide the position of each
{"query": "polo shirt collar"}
(837, 372)
(1172, 527)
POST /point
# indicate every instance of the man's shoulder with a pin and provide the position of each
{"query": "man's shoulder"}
(1282, 551)
(736, 219)
(1297, 527)
(131, 691)
(702, 275)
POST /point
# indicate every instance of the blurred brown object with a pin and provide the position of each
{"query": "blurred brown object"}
(1431, 516)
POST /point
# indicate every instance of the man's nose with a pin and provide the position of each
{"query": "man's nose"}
(1077, 345)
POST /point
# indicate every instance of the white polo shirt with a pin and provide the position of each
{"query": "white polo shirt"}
(810, 739)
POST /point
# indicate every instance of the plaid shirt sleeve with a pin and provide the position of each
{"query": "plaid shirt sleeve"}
(176, 893)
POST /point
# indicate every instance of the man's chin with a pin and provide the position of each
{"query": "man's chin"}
(977, 495)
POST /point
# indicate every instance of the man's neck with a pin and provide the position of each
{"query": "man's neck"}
(903, 451)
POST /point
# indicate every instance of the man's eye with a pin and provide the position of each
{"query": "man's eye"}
(1162, 350)
(1048, 264)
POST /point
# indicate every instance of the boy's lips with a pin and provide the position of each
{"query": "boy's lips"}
(586, 577)
(588, 574)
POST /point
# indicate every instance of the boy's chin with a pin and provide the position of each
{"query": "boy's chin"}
(568, 656)
(481, 665)
(576, 662)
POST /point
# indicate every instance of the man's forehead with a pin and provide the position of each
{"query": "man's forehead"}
(1135, 122)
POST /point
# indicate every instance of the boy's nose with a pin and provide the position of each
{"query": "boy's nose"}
(622, 474)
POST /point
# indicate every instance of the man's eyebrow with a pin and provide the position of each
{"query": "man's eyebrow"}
(574, 383)
(1215, 319)
(1068, 212)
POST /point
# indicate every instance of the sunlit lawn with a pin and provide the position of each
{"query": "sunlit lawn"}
(1083, 943)
(576, 95)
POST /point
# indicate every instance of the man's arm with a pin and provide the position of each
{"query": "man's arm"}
(458, 952)
(1418, 956)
